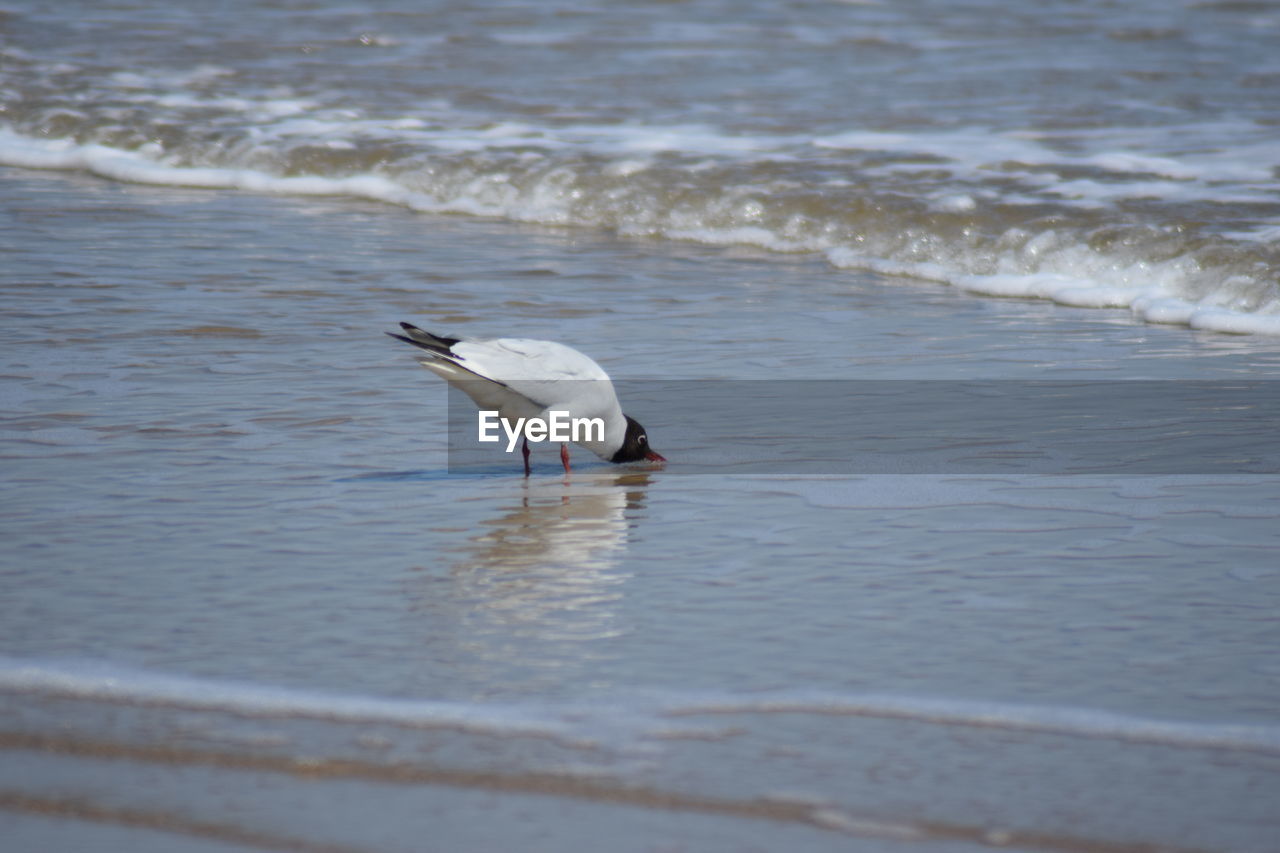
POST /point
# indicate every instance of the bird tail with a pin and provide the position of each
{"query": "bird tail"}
(424, 339)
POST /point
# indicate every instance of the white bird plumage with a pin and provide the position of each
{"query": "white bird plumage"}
(527, 378)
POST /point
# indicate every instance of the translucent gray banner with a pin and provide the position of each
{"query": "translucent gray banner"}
(929, 427)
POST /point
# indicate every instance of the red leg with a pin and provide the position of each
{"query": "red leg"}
(524, 448)
(564, 457)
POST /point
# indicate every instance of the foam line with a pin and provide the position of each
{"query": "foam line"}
(1059, 266)
(90, 680)
(97, 681)
(1076, 722)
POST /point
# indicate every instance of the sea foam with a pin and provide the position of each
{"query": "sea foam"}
(555, 183)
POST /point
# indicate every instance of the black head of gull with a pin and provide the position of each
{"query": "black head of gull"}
(635, 446)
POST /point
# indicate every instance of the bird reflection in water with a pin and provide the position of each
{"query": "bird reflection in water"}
(537, 588)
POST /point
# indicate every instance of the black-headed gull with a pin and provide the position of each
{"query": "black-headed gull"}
(520, 378)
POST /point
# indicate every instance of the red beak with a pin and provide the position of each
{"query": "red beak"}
(653, 457)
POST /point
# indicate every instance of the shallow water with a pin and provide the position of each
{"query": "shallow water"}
(258, 597)
(236, 558)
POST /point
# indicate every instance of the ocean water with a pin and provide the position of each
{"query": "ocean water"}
(252, 601)
(1086, 153)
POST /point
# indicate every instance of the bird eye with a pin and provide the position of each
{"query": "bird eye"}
(643, 439)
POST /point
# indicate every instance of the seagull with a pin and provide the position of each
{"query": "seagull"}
(525, 378)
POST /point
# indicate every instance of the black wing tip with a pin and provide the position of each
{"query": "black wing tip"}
(427, 341)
